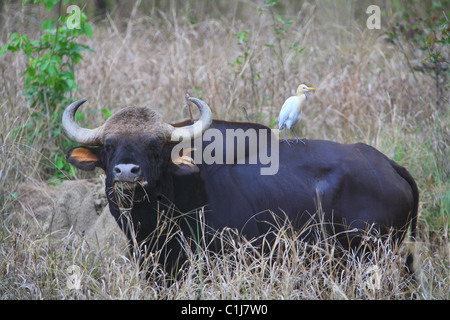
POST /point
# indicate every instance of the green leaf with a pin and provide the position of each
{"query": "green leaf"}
(47, 24)
(436, 5)
(87, 29)
(3, 49)
(79, 116)
(60, 163)
(107, 112)
(15, 36)
(43, 67)
(35, 43)
(49, 4)
(243, 36)
(56, 59)
(270, 4)
(52, 70)
(288, 22)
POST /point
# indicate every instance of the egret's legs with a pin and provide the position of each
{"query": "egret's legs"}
(285, 136)
(298, 139)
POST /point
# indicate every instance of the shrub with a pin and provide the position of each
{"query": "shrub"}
(50, 76)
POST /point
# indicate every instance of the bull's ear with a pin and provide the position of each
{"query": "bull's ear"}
(84, 158)
(184, 164)
(183, 169)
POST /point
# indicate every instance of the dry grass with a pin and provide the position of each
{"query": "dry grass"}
(365, 93)
(34, 266)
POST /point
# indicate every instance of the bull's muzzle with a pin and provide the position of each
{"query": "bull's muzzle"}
(128, 172)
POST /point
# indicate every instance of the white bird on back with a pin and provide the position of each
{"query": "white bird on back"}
(291, 111)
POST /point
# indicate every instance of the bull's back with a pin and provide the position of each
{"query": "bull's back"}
(356, 185)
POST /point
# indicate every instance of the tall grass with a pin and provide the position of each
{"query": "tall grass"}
(365, 93)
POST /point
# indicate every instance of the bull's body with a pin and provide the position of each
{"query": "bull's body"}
(355, 186)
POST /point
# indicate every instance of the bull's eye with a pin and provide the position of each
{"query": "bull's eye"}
(109, 147)
(153, 146)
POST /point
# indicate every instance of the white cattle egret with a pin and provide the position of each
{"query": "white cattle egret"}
(291, 111)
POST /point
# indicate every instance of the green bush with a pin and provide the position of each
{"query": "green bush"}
(50, 76)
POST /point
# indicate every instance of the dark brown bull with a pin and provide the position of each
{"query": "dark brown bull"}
(357, 186)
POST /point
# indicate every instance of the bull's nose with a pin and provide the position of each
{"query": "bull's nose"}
(128, 172)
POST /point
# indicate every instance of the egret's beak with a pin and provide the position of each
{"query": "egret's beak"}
(310, 89)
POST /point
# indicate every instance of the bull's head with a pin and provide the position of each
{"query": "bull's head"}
(133, 145)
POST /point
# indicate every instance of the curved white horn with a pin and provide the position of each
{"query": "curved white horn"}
(90, 137)
(198, 128)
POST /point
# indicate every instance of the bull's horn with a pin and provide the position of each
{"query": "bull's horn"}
(198, 128)
(90, 137)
